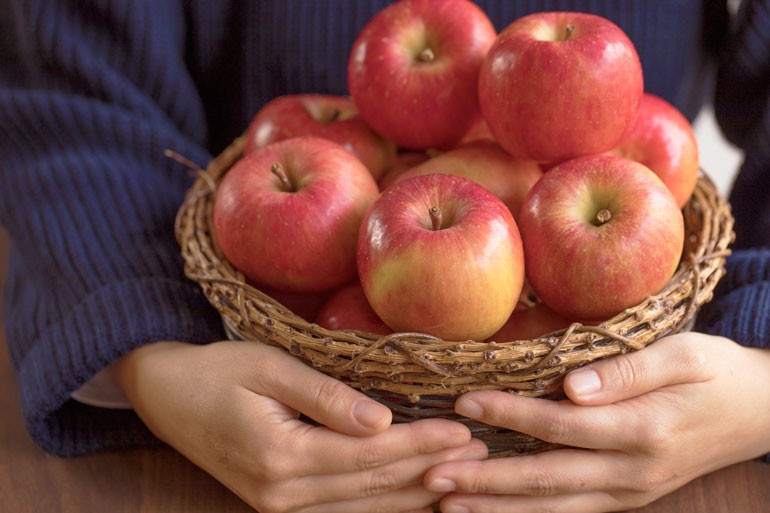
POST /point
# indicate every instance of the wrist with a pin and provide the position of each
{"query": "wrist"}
(127, 370)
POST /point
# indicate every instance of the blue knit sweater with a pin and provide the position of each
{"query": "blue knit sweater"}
(92, 92)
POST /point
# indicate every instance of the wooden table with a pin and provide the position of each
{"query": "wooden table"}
(162, 481)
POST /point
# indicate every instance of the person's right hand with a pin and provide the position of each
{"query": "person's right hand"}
(232, 408)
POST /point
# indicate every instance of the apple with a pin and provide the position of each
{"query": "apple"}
(405, 161)
(439, 254)
(478, 130)
(601, 233)
(557, 85)
(305, 304)
(413, 71)
(484, 162)
(321, 115)
(529, 323)
(663, 139)
(287, 214)
(348, 309)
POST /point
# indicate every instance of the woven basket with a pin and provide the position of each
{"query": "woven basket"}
(419, 376)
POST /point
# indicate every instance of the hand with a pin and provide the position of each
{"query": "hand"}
(651, 421)
(233, 408)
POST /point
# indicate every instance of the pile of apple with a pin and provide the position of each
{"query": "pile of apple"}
(467, 171)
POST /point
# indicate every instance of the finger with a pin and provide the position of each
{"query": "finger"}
(322, 398)
(395, 476)
(550, 473)
(410, 498)
(559, 422)
(320, 451)
(670, 360)
(591, 502)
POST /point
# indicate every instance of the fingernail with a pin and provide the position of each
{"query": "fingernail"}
(469, 408)
(369, 413)
(441, 484)
(585, 382)
(455, 508)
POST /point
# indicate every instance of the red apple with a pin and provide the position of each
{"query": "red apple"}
(287, 215)
(601, 233)
(439, 254)
(404, 161)
(413, 70)
(478, 130)
(318, 115)
(529, 323)
(484, 162)
(557, 85)
(348, 309)
(663, 140)
(305, 304)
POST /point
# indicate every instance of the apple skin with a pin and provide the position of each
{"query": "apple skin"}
(305, 304)
(302, 239)
(348, 309)
(413, 71)
(405, 161)
(549, 96)
(484, 162)
(529, 323)
(458, 282)
(663, 139)
(588, 270)
(478, 130)
(321, 115)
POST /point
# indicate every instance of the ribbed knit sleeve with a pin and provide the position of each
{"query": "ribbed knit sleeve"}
(741, 306)
(91, 94)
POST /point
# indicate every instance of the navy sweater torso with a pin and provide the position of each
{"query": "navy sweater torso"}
(92, 93)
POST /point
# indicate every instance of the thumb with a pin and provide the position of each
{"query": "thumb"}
(670, 360)
(324, 399)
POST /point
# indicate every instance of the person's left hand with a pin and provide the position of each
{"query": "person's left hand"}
(651, 421)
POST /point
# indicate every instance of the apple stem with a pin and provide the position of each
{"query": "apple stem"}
(426, 55)
(335, 115)
(603, 216)
(436, 218)
(569, 29)
(278, 170)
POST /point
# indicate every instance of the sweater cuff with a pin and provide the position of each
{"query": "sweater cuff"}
(739, 310)
(103, 327)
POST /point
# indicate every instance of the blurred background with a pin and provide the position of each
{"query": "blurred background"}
(718, 158)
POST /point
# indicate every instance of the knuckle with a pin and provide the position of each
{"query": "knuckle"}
(649, 481)
(654, 437)
(380, 482)
(267, 501)
(330, 394)
(420, 438)
(371, 455)
(275, 461)
(626, 371)
(556, 429)
(473, 480)
(499, 413)
(277, 469)
(694, 360)
(538, 483)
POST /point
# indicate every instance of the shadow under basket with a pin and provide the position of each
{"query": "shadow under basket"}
(419, 376)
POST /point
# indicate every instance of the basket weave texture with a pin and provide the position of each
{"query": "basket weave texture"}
(419, 376)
